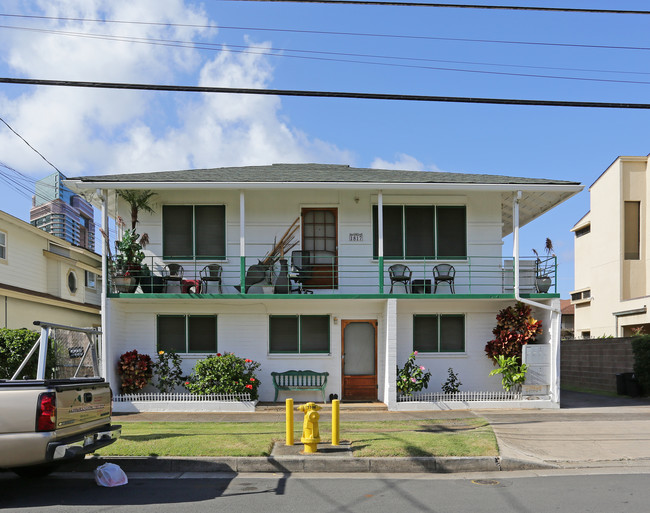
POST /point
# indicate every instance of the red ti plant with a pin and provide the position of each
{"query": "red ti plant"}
(135, 371)
(515, 327)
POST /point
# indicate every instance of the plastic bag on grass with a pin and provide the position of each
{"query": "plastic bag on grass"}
(110, 474)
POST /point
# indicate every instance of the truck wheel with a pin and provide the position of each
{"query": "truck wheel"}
(35, 471)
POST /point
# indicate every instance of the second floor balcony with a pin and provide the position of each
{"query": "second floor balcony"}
(305, 274)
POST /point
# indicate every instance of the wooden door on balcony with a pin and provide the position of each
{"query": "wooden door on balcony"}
(320, 238)
(359, 347)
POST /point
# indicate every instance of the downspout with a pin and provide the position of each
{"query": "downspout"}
(555, 312)
(380, 242)
(242, 242)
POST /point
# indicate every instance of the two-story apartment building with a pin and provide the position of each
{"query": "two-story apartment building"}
(612, 269)
(45, 278)
(337, 304)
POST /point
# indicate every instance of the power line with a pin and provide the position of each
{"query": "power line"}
(333, 33)
(33, 149)
(268, 51)
(323, 94)
(455, 6)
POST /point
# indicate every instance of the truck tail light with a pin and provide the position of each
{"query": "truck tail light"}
(46, 414)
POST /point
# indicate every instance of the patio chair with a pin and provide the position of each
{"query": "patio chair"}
(173, 277)
(400, 273)
(210, 275)
(301, 263)
(444, 273)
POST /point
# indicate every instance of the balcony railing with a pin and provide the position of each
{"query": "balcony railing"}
(342, 275)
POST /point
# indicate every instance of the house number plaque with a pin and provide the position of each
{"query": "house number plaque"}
(356, 237)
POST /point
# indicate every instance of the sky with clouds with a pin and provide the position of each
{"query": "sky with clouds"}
(455, 52)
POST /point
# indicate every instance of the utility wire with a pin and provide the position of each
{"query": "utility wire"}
(32, 148)
(455, 6)
(22, 183)
(323, 94)
(263, 50)
(336, 33)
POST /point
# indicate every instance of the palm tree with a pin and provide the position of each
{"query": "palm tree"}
(138, 200)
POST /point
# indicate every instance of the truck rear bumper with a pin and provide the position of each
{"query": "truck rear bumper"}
(81, 444)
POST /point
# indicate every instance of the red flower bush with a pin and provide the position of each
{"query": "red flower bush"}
(515, 327)
(135, 370)
(224, 374)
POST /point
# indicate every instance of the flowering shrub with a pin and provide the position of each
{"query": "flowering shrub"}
(515, 327)
(135, 370)
(412, 378)
(224, 374)
(167, 372)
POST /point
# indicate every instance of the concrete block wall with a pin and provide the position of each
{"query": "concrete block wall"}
(593, 363)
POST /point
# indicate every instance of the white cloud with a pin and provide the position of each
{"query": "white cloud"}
(402, 162)
(86, 131)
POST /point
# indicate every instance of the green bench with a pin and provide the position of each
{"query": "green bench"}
(299, 380)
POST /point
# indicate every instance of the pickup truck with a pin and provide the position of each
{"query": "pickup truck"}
(60, 414)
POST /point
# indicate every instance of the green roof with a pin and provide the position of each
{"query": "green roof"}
(314, 173)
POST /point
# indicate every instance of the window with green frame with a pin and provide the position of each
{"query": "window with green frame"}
(439, 333)
(429, 231)
(187, 333)
(194, 232)
(299, 334)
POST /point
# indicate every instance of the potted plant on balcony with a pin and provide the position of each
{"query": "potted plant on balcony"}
(543, 267)
(128, 262)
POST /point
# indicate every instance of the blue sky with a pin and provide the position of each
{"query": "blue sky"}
(96, 131)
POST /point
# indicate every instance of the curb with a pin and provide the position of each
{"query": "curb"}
(315, 463)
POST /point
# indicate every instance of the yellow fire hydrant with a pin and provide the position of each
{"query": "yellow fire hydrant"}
(310, 435)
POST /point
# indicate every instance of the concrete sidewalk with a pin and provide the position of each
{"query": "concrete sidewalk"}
(588, 431)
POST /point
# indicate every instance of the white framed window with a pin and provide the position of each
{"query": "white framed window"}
(302, 334)
(3, 246)
(194, 232)
(417, 231)
(187, 333)
(439, 333)
(90, 280)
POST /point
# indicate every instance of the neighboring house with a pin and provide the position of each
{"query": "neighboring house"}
(568, 313)
(57, 210)
(353, 225)
(44, 278)
(612, 269)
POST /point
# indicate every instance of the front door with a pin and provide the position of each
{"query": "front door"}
(359, 360)
(320, 238)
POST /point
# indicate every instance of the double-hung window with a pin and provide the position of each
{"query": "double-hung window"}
(3, 246)
(187, 333)
(439, 333)
(412, 231)
(299, 334)
(194, 232)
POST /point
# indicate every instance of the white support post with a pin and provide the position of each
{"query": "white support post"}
(103, 196)
(390, 321)
(242, 241)
(554, 309)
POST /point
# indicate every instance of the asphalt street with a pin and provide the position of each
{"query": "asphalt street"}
(572, 491)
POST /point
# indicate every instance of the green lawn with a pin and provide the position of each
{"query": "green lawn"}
(450, 437)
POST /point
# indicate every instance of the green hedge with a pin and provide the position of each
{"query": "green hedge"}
(14, 346)
(641, 350)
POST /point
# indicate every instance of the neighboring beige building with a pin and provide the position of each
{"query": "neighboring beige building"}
(611, 253)
(567, 323)
(45, 278)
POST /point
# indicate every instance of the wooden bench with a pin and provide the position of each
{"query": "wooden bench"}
(299, 380)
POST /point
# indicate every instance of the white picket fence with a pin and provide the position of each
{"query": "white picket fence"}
(156, 402)
(148, 396)
(436, 397)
